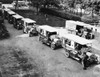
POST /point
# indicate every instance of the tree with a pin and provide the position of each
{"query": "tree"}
(55, 3)
(44, 3)
(16, 4)
(37, 3)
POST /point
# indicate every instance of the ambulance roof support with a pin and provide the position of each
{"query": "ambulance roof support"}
(28, 20)
(77, 39)
(48, 28)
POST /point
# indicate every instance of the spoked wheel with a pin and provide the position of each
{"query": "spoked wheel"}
(23, 30)
(53, 46)
(27, 31)
(83, 66)
(17, 27)
(67, 54)
(39, 38)
(30, 35)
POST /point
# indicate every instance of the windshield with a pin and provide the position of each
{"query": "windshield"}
(79, 46)
(30, 24)
(19, 22)
(52, 33)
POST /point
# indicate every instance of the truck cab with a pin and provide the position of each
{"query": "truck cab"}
(77, 48)
(10, 16)
(48, 35)
(17, 21)
(27, 24)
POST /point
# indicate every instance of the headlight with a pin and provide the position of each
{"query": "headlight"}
(98, 58)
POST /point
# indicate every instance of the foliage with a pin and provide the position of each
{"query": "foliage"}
(3, 31)
(6, 1)
(51, 2)
(45, 3)
(67, 15)
(89, 19)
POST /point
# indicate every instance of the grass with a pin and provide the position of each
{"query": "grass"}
(15, 62)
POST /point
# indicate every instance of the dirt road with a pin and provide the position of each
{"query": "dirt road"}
(55, 63)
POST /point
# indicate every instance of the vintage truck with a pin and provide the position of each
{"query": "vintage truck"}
(29, 26)
(48, 35)
(77, 48)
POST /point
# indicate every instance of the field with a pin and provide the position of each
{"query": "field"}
(45, 62)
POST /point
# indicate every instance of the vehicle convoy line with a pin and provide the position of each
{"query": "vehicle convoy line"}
(75, 45)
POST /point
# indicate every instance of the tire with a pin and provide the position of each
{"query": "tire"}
(17, 27)
(67, 54)
(53, 46)
(23, 30)
(39, 38)
(27, 31)
(30, 35)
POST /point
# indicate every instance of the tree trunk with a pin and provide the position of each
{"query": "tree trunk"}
(37, 7)
(16, 4)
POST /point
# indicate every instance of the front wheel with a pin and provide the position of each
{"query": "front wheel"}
(17, 27)
(53, 46)
(23, 30)
(30, 35)
(39, 38)
(67, 54)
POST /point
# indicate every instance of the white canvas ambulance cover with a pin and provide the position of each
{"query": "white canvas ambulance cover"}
(84, 24)
(11, 12)
(62, 31)
(78, 23)
(7, 9)
(77, 39)
(88, 26)
(48, 28)
(17, 16)
(70, 24)
(28, 20)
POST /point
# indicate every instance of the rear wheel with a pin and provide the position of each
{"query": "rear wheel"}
(53, 46)
(17, 27)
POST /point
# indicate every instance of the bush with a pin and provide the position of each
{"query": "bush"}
(89, 19)
(3, 32)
